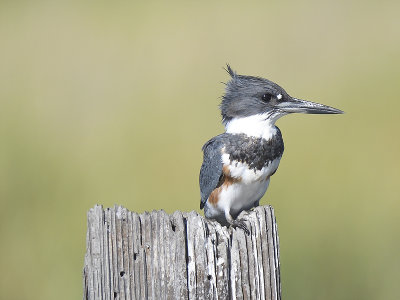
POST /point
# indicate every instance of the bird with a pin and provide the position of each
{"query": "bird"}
(238, 164)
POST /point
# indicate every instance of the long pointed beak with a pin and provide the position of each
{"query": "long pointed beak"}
(295, 105)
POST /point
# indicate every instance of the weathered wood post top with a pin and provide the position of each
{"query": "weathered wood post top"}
(180, 256)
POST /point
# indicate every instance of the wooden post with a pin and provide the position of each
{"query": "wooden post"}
(180, 256)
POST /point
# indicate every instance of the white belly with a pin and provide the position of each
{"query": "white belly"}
(241, 196)
(252, 186)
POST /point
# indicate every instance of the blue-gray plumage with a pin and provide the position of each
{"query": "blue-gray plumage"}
(211, 169)
(238, 164)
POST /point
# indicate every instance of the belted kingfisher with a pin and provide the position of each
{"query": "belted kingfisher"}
(238, 164)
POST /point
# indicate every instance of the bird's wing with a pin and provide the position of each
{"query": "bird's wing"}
(211, 169)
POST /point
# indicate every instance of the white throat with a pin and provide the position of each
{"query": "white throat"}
(260, 126)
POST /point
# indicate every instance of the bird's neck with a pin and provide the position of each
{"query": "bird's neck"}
(259, 126)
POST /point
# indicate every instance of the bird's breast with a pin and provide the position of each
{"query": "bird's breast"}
(238, 169)
(250, 158)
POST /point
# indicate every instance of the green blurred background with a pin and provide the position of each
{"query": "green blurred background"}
(96, 97)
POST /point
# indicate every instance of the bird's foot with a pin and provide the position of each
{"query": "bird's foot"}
(240, 224)
(236, 223)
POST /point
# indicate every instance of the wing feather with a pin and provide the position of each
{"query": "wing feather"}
(211, 169)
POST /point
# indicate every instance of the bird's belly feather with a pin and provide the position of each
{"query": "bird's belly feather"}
(251, 186)
(241, 196)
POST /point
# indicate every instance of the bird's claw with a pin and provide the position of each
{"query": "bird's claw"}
(242, 225)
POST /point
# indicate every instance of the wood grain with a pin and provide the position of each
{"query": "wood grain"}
(180, 256)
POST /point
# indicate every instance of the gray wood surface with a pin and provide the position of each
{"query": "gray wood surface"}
(180, 256)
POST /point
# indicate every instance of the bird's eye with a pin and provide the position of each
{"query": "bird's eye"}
(267, 97)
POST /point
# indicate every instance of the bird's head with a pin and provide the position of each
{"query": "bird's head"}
(248, 96)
